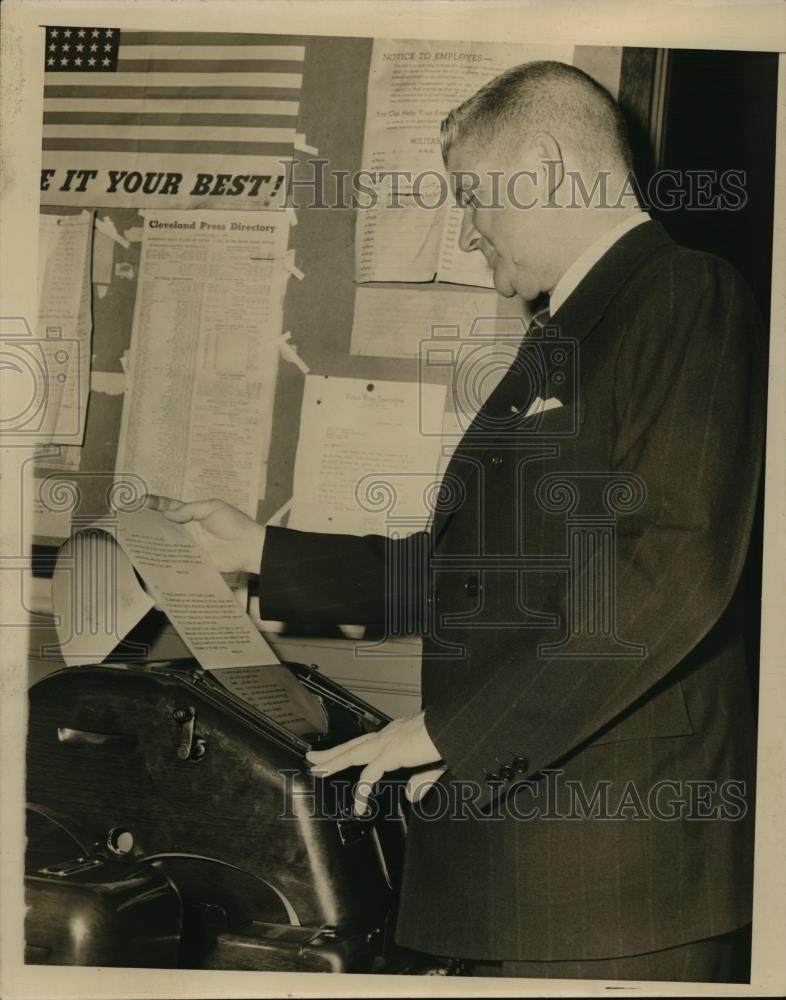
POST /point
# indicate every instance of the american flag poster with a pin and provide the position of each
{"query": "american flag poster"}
(168, 119)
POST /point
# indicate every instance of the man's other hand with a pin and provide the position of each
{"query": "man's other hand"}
(402, 743)
(232, 539)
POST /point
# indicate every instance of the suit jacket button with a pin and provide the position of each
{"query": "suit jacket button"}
(506, 772)
(520, 764)
(472, 586)
(491, 778)
(496, 460)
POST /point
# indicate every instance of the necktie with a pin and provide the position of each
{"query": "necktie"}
(505, 400)
(520, 367)
(540, 319)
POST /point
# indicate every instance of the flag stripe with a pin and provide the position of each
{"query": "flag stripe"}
(170, 146)
(229, 135)
(206, 39)
(205, 66)
(148, 118)
(129, 160)
(104, 85)
(139, 100)
(278, 112)
(288, 53)
(99, 81)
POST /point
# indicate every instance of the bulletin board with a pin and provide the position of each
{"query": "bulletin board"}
(318, 309)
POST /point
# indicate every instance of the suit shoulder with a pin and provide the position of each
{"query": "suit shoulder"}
(679, 282)
(690, 269)
(686, 303)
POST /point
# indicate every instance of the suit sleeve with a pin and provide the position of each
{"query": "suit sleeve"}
(345, 579)
(689, 407)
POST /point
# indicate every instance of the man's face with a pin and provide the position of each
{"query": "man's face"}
(495, 220)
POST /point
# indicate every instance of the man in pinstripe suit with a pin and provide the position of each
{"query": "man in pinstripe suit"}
(584, 760)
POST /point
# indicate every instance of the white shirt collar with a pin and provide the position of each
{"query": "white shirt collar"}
(587, 260)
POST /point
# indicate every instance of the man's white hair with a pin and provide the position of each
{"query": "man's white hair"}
(548, 97)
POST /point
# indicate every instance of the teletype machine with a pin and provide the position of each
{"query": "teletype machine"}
(170, 823)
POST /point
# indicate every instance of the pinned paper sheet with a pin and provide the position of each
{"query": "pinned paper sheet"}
(48, 523)
(412, 323)
(277, 519)
(106, 227)
(215, 412)
(303, 146)
(60, 457)
(363, 463)
(291, 266)
(65, 324)
(412, 84)
(289, 351)
(124, 270)
(111, 383)
(103, 257)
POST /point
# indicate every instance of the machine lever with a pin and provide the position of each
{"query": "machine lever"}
(190, 746)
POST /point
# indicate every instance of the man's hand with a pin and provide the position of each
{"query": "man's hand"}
(402, 743)
(232, 539)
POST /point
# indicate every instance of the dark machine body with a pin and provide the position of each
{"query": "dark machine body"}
(170, 824)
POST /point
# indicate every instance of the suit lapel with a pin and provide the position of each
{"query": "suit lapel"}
(574, 320)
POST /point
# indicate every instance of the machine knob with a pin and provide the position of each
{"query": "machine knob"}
(186, 719)
(120, 841)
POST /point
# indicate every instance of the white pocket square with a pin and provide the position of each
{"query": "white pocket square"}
(539, 405)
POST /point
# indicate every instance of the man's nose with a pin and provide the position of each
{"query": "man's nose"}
(469, 237)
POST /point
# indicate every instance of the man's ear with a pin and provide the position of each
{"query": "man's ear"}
(551, 167)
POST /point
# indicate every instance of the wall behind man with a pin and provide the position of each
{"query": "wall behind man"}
(318, 310)
(720, 115)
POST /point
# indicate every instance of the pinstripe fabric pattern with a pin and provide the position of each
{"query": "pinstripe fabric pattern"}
(669, 395)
